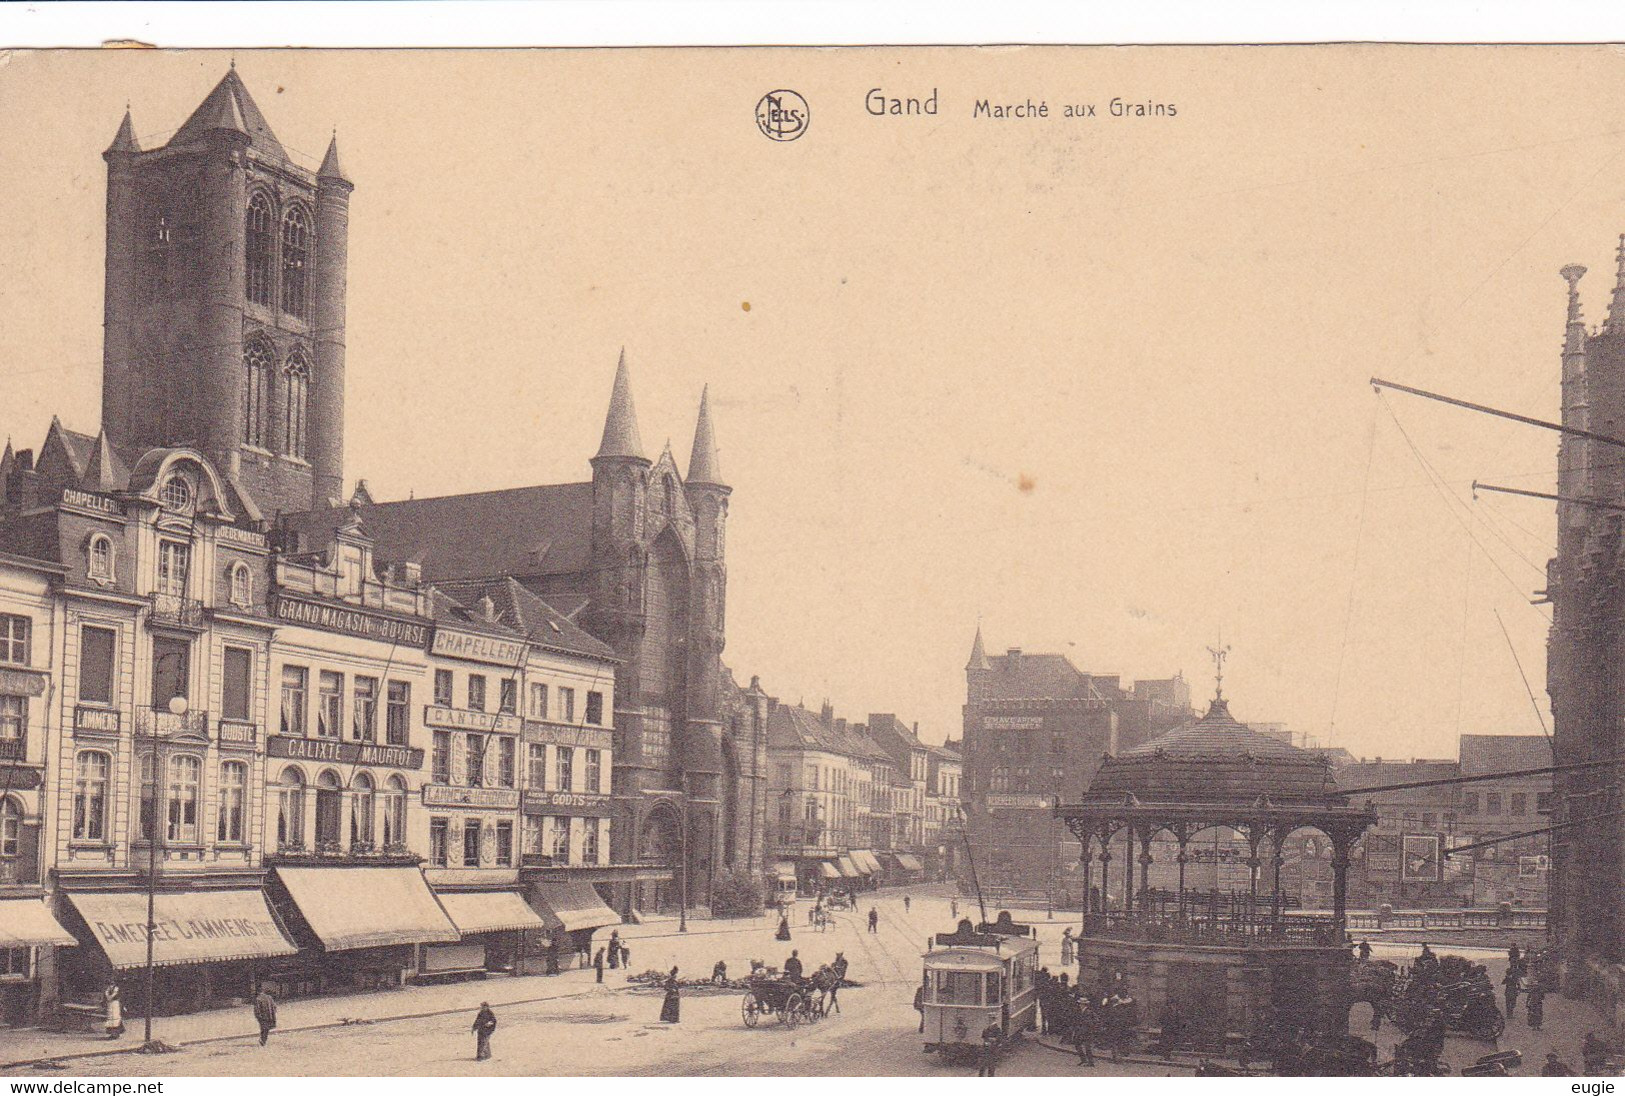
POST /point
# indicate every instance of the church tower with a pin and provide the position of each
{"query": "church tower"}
(225, 301)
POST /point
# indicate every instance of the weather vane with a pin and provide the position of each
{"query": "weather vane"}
(1219, 653)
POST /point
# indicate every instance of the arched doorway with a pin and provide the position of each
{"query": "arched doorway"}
(660, 842)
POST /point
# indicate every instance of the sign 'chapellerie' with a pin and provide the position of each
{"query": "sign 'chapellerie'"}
(476, 647)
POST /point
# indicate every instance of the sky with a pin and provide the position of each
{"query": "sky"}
(1099, 384)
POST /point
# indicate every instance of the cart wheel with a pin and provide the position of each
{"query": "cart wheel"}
(749, 1009)
(793, 1009)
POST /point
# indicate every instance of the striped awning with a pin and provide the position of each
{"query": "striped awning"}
(489, 911)
(848, 869)
(572, 905)
(828, 870)
(866, 862)
(367, 907)
(785, 871)
(910, 862)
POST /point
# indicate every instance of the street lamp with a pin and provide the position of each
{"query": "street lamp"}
(682, 897)
(177, 707)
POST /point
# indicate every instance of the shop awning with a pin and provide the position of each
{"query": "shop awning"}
(352, 907)
(866, 862)
(910, 862)
(26, 923)
(848, 869)
(191, 926)
(785, 871)
(489, 911)
(828, 870)
(571, 906)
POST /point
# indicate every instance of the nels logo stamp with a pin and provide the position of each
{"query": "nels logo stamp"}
(782, 115)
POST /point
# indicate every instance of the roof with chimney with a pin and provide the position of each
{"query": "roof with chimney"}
(793, 727)
(528, 616)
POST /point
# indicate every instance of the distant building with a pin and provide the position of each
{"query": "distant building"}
(1036, 728)
(944, 846)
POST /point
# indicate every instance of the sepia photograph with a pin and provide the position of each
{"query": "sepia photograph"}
(866, 561)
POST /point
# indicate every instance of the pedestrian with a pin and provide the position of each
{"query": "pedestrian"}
(265, 1014)
(1514, 985)
(906, 903)
(1555, 1066)
(784, 929)
(719, 973)
(615, 949)
(990, 1050)
(113, 1009)
(1365, 950)
(792, 965)
(598, 964)
(919, 1004)
(953, 909)
(812, 912)
(485, 1022)
(1534, 1008)
(1083, 1033)
(626, 956)
(874, 919)
(1066, 947)
(671, 1007)
(1593, 1055)
(1517, 961)
(834, 983)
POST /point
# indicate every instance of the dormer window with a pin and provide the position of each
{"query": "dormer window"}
(101, 558)
(176, 493)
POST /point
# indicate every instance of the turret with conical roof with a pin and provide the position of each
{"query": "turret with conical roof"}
(124, 141)
(229, 107)
(703, 465)
(331, 169)
(978, 653)
(621, 439)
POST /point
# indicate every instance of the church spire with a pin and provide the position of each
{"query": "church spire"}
(978, 653)
(1616, 306)
(621, 424)
(124, 140)
(1574, 329)
(703, 466)
(331, 168)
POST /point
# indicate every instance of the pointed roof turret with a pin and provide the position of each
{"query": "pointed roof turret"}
(124, 140)
(230, 107)
(978, 653)
(1616, 305)
(703, 466)
(105, 473)
(621, 423)
(1574, 328)
(331, 169)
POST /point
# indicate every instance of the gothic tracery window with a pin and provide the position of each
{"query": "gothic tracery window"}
(296, 386)
(296, 262)
(261, 222)
(258, 362)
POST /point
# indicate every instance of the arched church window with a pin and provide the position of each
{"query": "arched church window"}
(258, 362)
(296, 262)
(259, 244)
(296, 387)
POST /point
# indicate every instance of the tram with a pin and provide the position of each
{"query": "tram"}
(979, 975)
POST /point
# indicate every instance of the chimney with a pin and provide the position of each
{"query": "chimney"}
(488, 608)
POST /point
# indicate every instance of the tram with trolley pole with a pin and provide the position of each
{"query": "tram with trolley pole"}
(975, 976)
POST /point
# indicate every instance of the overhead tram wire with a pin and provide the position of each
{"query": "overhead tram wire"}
(1516, 661)
(1354, 574)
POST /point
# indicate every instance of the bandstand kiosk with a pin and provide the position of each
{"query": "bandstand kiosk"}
(1220, 965)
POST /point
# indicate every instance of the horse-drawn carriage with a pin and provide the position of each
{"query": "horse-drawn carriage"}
(793, 1000)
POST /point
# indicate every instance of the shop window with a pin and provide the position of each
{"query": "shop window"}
(329, 704)
(14, 634)
(595, 772)
(290, 815)
(398, 719)
(507, 749)
(561, 840)
(508, 696)
(440, 762)
(476, 692)
(100, 558)
(394, 812)
(565, 770)
(14, 963)
(538, 701)
(364, 711)
(91, 771)
(233, 788)
(362, 804)
(589, 841)
(567, 704)
(184, 777)
(171, 667)
(295, 700)
(442, 688)
(538, 766)
(471, 843)
(439, 851)
(595, 708)
(236, 684)
(505, 844)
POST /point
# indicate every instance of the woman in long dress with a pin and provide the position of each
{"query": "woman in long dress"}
(114, 1021)
(669, 1010)
(784, 929)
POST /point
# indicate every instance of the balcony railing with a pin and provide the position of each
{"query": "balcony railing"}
(13, 749)
(176, 609)
(1202, 928)
(161, 723)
